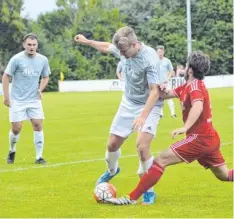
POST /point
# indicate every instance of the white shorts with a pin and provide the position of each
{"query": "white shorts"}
(123, 121)
(20, 111)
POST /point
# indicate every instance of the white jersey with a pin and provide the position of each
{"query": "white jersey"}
(26, 72)
(139, 72)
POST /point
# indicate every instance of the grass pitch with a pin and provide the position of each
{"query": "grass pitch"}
(76, 130)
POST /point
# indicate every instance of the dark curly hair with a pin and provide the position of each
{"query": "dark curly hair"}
(200, 64)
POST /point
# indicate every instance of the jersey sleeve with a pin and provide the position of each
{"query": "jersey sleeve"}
(196, 95)
(152, 73)
(11, 66)
(114, 51)
(46, 70)
(119, 67)
(170, 67)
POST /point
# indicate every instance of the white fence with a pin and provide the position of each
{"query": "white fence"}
(115, 85)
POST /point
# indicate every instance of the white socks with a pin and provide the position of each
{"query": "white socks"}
(146, 165)
(13, 139)
(112, 160)
(39, 143)
(161, 113)
(171, 106)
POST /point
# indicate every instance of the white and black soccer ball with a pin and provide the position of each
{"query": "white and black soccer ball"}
(104, 191)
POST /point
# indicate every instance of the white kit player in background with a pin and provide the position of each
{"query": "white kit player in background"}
(26, 68)
(166, 71)
(140, 106)
(119, 73)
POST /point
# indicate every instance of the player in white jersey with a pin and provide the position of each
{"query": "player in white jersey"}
(119, 73)
(140, 106)
(166, 70)
(24, 103)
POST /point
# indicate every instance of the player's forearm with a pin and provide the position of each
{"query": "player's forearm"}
(100, 46)
(169, 94)
(43, 84)
(119, 75)
(194, 114)
(153, 97)
(5, 86)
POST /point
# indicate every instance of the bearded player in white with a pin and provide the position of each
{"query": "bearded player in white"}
(24, 103)
(140, 106)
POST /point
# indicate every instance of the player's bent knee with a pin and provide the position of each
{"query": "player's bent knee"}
(162, 159)
(113, 146)
(114, 143)
(37, 126)
(16, 130)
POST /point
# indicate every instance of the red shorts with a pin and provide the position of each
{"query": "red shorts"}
(204, 149)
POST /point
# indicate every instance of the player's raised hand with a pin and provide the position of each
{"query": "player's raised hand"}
(176, 132)
(7, 102)
(80, 39)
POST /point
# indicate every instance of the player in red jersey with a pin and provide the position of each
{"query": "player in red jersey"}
(202, 142)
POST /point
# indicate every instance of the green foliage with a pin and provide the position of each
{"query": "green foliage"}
(11, 30)
(155, 22)
(215, 33)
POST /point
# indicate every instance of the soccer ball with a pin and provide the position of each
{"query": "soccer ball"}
(104, 191)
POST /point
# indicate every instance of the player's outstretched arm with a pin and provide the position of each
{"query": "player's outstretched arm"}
(166, 93)
(100, 46)
(5, 86)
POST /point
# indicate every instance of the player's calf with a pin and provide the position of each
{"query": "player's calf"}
(223, 173)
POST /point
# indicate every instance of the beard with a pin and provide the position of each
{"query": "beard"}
(186, 76)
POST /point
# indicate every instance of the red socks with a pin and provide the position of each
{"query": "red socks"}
(149, 179)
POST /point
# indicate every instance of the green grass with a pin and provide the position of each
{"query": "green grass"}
(76, 129)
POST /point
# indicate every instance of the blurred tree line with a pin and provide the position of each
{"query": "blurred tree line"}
(155, 22)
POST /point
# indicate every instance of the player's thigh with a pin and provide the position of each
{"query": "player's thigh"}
(35, 110)
(188, 149)
(151, 123)
(144, 139)
(17, 112)
(212, 159)
(123, 121)
(221, 172)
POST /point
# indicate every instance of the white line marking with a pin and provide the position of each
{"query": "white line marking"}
(76, 162)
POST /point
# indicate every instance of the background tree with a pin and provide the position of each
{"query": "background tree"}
(11, 30)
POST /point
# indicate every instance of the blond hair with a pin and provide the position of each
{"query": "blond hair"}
(124, 38)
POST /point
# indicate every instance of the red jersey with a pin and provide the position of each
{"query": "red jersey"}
(188, 94)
